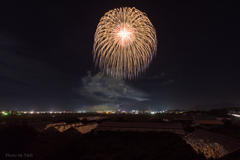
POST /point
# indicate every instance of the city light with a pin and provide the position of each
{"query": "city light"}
(117, 111)
(236, 115)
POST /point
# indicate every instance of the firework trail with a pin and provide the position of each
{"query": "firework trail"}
(125, 43)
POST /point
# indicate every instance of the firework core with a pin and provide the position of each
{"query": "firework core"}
(124, 34)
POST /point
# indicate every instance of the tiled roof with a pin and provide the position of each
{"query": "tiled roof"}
(208, 122)
(142, 125)
(50, 130)
(40, 128)
(198, 117)
(229, 144)
(176, 131)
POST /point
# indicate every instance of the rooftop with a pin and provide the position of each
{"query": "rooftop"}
(208, 122)
(229, 144)
(142, 125)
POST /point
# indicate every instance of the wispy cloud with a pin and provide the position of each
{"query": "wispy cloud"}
(168, 82)
(156, 77)
(109, 90)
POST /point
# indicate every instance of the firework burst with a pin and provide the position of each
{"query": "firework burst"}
(125, 43)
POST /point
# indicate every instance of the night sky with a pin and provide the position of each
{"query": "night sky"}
(46, 60)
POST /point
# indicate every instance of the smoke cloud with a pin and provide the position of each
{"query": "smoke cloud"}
(108, 91)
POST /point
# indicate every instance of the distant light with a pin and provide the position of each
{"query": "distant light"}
(236, 115)
(51, 112)
(31, 112)
(152, 112)
(3, 112)
(37, 112)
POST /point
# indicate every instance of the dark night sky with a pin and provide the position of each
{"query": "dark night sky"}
(46, 56)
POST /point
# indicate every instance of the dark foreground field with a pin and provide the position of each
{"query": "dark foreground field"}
(96, 145)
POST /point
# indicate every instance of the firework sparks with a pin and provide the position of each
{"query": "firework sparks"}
(125, 42)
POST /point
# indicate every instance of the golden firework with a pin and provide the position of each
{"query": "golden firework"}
(125, 42)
